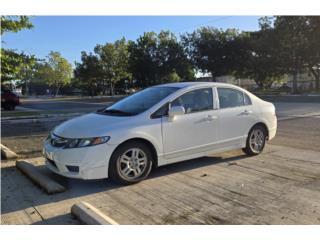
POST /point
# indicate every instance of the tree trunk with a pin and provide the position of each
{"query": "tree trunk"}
(294, 82)
(57, 91)
(92, 91)
(111, 89)
(316, 75)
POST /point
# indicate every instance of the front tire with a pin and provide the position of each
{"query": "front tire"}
(130, 163)
(256, 140)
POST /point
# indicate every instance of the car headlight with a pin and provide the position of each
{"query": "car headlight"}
(61, 142)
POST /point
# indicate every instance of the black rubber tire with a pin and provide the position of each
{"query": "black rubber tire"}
(115, 176)
(8, 106)
(248, 149)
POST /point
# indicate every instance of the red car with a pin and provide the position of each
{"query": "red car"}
(9, 100)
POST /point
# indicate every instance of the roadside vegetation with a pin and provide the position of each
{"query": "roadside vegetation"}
(283, 45)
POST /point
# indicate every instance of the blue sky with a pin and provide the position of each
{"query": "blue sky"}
(72, 34)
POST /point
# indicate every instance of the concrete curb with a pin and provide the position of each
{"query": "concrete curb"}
(90, 215)
(7, 154)
(46, 183)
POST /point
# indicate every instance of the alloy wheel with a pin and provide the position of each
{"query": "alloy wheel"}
(132, 163)
(257, 139)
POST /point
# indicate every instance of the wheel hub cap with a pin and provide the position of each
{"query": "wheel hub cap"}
(257, 139)
(132, 163)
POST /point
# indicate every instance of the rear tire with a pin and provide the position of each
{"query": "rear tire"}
(8, 106)
(130, 163)
(256, 141)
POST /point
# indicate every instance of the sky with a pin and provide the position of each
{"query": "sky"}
(70, 35)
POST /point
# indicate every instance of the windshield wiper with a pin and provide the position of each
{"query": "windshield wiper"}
(114, 112)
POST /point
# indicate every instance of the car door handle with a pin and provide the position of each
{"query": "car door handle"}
(246, 112)
(211, 118)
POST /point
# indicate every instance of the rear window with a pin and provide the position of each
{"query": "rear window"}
(247, 99)
(229, 97)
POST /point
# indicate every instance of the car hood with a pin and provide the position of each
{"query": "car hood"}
(89, 125)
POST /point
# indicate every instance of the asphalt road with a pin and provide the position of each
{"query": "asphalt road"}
(285, 106)
(66, 106)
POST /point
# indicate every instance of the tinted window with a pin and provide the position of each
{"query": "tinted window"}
(195, 101)
(230, 98)
(139, 102)
(247, 100)
(163, 111)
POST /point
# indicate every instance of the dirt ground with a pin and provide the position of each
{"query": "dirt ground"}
(26, 139)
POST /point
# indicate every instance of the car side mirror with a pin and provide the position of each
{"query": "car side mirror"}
(175, 111)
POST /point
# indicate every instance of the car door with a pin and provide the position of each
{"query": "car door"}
(235, 116)
(195, 131)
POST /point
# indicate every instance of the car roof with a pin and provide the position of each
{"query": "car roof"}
(191, 84)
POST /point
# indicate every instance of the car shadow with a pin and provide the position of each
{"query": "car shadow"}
(26, 195)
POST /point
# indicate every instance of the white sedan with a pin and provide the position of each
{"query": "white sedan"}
(157, 126)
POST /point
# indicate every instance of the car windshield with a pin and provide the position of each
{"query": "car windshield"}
(138, 102)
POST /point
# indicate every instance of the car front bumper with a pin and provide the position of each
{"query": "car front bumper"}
(83, 163)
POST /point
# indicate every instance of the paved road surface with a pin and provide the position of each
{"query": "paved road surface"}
(283, 107)
(67, 106)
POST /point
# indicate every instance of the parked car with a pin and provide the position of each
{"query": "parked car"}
(9, 100)
(160, 125)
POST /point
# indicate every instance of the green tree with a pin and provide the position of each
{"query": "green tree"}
(56, 71)
(142, 61)
(88, 74)
(113, 58)
(14, 24)
(154, 57)
(259, 59)
(213, 50)
(173, 60)
(300, 46)
(14, 65)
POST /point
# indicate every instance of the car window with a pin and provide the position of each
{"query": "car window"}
(247, 100)
(139, 102)
(163, 111)
(230, 98)
(195, 101)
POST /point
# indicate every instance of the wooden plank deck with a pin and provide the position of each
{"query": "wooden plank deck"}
(280, 186)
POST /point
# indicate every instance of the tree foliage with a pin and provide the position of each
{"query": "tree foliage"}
(154, 58)
(300, 45)
(113, 58)
(56, 71)
(260, 59)
(283, 44)
(14, 24)
(88, 73)
(14, 64)
(213, 50)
